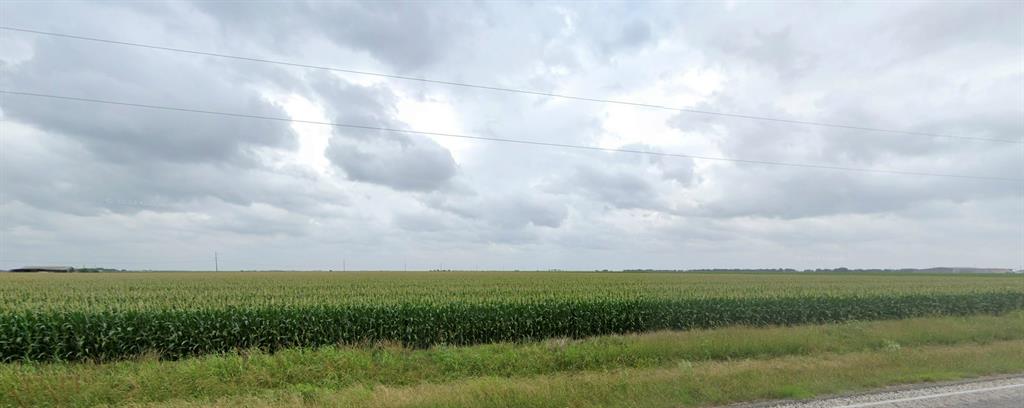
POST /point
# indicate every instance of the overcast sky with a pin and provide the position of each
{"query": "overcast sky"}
(102, 185)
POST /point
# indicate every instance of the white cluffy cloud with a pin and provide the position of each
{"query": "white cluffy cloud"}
(107, 185)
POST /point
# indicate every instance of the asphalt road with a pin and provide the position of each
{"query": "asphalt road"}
(994, 393)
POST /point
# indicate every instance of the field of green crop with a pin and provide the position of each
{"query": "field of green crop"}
(117, 315)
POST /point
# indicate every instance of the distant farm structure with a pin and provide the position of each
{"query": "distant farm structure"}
(64, 269)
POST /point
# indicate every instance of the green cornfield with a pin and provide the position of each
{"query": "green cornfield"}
(67, 317)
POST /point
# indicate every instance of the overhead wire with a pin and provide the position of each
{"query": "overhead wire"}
(508, 140)
(509, 89)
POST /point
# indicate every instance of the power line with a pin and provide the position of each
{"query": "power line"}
(512, 90)
(506, 140)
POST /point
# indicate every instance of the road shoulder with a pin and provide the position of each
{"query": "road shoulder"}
(898, 393)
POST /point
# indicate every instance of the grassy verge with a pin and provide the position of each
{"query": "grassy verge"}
(337, 368)
(697, 384)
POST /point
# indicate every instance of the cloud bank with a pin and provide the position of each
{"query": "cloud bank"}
(103, 185)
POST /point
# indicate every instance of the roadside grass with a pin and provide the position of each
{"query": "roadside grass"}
(700, 384)
(310, 374)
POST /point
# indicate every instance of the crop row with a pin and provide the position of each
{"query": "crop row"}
(110, 335)
(157, 291)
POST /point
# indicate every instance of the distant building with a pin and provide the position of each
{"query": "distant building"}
(44, 269)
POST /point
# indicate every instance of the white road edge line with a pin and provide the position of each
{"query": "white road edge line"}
(945, 394)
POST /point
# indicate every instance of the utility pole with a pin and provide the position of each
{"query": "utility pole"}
(216, 262)
(343, 268)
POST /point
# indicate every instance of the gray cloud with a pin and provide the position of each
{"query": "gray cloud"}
(84, 181)
(396, 160)
(631, 36)
(126, 134)
(507, 211)
(401, 164)
(78, 182)
(616, 188)
(774, 50)
(410, 37)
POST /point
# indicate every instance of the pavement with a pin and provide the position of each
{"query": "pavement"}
(1001, 392)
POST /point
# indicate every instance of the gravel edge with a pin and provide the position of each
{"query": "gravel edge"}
(892, 388)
